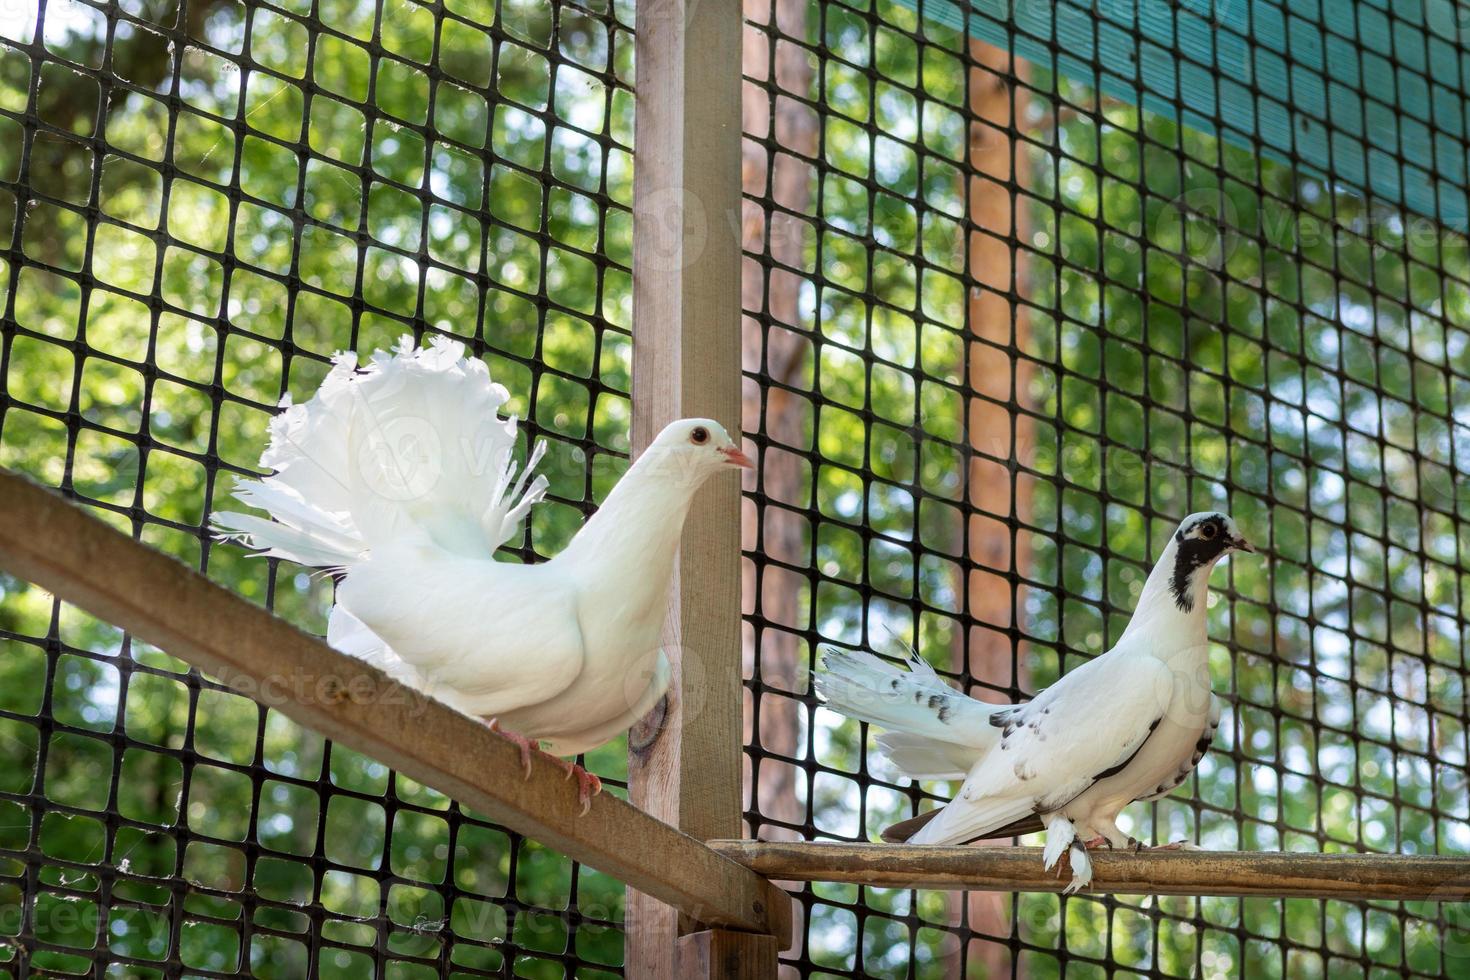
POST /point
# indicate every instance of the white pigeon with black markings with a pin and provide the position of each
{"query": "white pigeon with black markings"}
(1129, 725)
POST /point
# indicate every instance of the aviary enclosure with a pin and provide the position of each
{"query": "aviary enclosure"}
(996, 292)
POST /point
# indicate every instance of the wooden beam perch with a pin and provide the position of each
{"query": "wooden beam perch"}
(1262, 874)
(46, 540)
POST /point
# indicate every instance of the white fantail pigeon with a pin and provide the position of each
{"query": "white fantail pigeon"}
(1129, 725)
(399, 477)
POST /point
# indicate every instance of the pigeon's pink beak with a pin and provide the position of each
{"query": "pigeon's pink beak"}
(735, 457)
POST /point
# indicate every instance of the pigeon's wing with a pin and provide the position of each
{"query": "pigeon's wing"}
(1197, 752)
(1084, 728)
(488, 637)
(576, 739)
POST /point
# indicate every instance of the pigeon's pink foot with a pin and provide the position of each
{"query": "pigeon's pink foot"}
(525, 744)
(1178, 845)
(588, 785)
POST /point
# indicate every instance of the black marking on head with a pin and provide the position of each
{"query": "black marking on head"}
(1199, 545)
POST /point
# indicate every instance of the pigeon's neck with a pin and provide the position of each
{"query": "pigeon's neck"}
(1173, 605)
(635, 533)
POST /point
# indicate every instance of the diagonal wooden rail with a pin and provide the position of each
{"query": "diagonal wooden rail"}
(55, 544)
(1264, 874)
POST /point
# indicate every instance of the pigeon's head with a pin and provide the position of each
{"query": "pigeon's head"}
(1202, 540)
(698, 447)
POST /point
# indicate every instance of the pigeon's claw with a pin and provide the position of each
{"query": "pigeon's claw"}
(525, 744)
(588, 785)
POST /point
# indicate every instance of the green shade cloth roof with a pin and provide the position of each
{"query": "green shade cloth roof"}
(1367, 94)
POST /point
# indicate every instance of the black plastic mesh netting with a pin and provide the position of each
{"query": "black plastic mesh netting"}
(1010, 313)
(200, 201)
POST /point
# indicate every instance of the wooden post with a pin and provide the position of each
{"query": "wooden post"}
(684, 760)
(723, 954)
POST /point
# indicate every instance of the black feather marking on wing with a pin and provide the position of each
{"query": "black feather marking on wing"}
(1114, 770)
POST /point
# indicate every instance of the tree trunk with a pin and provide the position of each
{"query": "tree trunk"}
(996, 326)
(779, 534)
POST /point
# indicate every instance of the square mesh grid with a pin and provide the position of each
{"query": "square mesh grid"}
(1003, 328)
(200, 201)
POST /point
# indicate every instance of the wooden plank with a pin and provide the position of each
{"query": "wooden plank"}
(719, 954)
(1266, 874)
(56, 545)
(684, 764)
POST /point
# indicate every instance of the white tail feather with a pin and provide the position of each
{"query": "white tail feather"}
(939, 726)
(410, 447)
(918, 757)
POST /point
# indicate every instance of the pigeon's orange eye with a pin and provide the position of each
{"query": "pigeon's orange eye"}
(699, 436)
(1208, 532)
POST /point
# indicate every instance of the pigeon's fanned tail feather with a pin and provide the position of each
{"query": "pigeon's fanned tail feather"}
(280, 540)
(411, 447)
